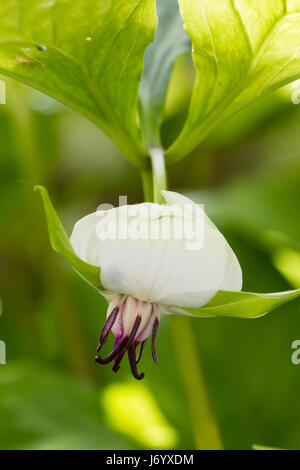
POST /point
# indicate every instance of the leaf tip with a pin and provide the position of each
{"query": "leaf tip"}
(39, 188)
(43, 192)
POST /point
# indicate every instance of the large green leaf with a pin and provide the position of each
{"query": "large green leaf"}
(242, 49)
(61, 243)
(88, 54)
(170, 41)
(241, 304)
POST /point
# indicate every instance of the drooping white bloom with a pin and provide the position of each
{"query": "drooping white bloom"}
(154, 259)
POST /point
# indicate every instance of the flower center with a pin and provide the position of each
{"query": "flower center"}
(132, 321)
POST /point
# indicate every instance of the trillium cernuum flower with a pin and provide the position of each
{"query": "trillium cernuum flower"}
(149, 260)
(153, 258)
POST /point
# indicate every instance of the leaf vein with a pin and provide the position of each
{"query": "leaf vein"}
(243, 28)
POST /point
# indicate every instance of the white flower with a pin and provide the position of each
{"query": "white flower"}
(154, 259)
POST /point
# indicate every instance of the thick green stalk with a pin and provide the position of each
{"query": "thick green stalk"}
(205, 428)
(147, 185)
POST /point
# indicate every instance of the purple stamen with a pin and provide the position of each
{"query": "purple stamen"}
(154, 331)
(140, 351)
(131, 349)
(134, 329)
(107, 327)
(120, 345)
(129, 340)
(119, 357)
(116, 349)
(127, 343)
(132, 361)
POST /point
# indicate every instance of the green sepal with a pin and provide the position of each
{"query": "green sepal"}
(240, 304)
(61, 244)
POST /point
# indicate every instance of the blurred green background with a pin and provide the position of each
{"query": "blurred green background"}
(52, 394)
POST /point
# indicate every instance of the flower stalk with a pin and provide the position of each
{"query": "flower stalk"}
(159, 174)
(147, 185)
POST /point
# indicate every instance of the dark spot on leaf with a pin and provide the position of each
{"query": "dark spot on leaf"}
(25, 61)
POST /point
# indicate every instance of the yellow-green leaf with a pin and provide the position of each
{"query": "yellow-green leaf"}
(242, 49)
(88, 54)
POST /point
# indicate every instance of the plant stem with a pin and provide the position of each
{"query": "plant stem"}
(205, 428)
(147, 185)
(159, 173)
(206, 432)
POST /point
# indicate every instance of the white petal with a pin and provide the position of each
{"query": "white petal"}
(233, 279)
(84, 240)
(171, 197)
(160, 271)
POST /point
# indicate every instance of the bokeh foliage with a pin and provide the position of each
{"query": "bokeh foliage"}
(52, 395)
(51, 391)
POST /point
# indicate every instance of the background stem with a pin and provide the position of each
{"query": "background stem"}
(205, 427)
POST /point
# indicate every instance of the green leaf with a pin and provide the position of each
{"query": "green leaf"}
(170, 42)
(241, 304)
(61, 243)
(88, 54)
(241, 50)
